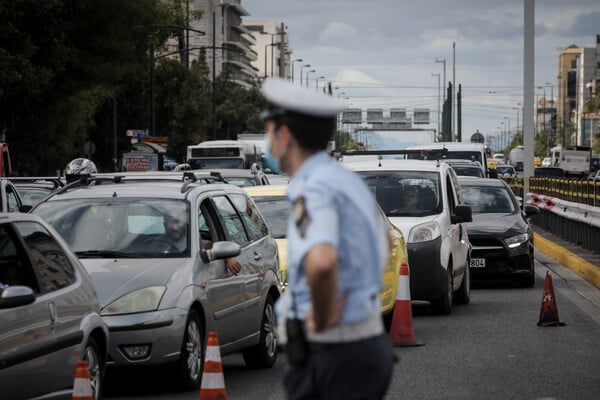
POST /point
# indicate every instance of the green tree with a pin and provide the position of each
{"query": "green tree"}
(61, 62)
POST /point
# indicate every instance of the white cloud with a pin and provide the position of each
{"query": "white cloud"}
(336, 31)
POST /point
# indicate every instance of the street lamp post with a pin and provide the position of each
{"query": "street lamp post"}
(508, 135)
(503, 134)
(438, 110)
(294, 61)
(307, 73)
(317, 82)
(301, 69)
(443, 60)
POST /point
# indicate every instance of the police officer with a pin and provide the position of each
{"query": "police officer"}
(337, 247)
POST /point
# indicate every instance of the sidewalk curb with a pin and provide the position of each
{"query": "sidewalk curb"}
(582, 267)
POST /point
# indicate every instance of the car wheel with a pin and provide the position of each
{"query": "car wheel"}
(95, 365)
(264, 354)
(443, 305)
(463, 294)
(191, 358)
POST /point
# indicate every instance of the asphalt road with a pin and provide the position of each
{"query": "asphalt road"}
(489, 349)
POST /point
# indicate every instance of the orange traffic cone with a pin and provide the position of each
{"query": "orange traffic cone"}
(213, 382)
(549, 312)
(82, 387)
(401, 330)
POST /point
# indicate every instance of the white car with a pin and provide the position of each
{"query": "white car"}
(437, 244)
(547, 162)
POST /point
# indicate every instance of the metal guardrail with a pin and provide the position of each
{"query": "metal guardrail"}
(573, 221)
(575, 190)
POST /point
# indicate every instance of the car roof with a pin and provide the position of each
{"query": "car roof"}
(396, 165)
(448, 145)
(138, 189)
(8, 217)
(267, 190)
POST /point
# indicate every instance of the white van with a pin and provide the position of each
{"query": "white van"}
(455, 150)
(437, 245)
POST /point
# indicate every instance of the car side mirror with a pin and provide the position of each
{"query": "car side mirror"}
(492, 173)
(220, 251)
(461, 214)
(16, 296)
(519, 200)
(531, 210)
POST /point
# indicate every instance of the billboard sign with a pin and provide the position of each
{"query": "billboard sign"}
(140, 162)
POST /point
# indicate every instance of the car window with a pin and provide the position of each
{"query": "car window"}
(53, 267)
(11, 199)
(256, 226)
(232, 223)
(276, 211)
(14, 265)
(488, 199)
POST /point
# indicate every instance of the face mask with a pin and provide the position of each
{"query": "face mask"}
(269, 161)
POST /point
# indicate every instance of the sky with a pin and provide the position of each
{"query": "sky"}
(382, 53)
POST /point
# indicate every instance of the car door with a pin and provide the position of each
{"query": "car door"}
(458, 235)
(27, 333)
(263, 253)
(223, 288)
(67, 303)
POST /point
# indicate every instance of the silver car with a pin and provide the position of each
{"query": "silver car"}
(158, 254)
(49, 313)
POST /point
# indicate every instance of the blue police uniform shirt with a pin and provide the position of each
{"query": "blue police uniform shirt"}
(338, 210)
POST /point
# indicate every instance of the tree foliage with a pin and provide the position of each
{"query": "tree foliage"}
(64, 64)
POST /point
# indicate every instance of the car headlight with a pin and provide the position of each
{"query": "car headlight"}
(516, 241)
(142, 300)
(424, 232)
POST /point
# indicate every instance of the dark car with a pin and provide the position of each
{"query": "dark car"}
(549, 172)
(500, 234)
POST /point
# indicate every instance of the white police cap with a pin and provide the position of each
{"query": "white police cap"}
(282, 96)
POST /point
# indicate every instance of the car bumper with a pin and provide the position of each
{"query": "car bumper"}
(501, 261)
(162, 331)
(427, 274)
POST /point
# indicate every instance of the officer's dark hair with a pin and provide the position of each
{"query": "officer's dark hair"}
(312, 133)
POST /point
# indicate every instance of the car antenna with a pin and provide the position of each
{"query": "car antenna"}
(379, 161)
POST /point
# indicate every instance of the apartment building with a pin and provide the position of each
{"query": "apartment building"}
(272, 48)
(221, 33)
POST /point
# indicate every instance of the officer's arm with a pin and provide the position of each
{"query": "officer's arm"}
(321, 273)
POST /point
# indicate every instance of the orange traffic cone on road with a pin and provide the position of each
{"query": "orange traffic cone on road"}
(549, 311)
(401, 330)
(82, 387)
(213, 382)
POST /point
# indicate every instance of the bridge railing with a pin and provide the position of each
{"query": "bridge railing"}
(570, 208)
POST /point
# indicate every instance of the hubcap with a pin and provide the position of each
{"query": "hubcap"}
(93, 370)
(193, 347)
(269, 328)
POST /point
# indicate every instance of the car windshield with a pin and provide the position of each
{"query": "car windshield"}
(405, 193)
(466, 170)
(240, 181)
(276, 211)
(144, 228)
(505, 170)
(216, 163)
(488, 199)
(32, 196)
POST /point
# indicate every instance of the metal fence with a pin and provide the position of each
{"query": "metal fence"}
(570, 208)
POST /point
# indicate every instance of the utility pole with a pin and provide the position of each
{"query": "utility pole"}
(453, 89)
(214, 66)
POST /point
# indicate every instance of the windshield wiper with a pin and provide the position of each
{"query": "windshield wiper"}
(104, 254)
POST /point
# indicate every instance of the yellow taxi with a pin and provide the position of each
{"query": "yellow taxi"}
(537, 161)
(274, 206)
(492, 163)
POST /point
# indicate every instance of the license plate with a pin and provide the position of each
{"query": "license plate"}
(477, 262)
